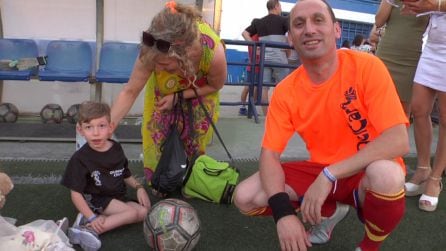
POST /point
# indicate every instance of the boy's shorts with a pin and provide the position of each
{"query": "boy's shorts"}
(299, 175)
(99, 203)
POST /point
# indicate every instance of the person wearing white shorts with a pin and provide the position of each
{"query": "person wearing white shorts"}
(429, 84)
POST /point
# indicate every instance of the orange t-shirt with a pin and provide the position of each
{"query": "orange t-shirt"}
(338, 117)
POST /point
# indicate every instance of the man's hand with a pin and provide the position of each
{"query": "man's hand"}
(292, 234)
(314, 198)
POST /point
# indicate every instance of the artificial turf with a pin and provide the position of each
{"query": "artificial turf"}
(222, 226)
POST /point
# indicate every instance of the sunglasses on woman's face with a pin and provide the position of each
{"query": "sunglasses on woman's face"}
(162, 45)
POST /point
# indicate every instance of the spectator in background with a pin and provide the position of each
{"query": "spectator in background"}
(243, 97)
(429, 83)
(400, 50)
(273, 28)
(345, 44)
(359, 44)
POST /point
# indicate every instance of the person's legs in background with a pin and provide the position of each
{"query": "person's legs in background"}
(421, 107)
(429, 200)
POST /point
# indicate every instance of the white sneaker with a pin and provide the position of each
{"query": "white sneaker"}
(320, 234)
(79, 221)
(85, 237)
(63, 224)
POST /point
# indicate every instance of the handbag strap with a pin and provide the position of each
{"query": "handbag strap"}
(212, 123)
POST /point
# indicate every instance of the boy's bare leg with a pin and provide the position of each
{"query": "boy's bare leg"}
(117, 214)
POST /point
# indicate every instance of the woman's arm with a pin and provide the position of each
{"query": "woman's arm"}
(130, 92)
(216, 76)
(383, 14)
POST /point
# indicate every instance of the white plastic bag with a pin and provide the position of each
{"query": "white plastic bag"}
(42, 235)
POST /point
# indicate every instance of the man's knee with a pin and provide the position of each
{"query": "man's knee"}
(384, 176)
(240, 198)
(248, 194)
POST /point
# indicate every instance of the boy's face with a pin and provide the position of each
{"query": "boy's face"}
(97, 132)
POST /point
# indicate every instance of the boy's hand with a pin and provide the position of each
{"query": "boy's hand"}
(143, 198)
(98, 224)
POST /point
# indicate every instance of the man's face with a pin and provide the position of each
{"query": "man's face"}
(312, 30)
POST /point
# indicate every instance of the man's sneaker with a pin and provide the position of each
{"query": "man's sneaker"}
(87, 238)
(80, 220)
(320, 234)
(243, 111)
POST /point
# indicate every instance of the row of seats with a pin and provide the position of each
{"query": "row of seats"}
(70, 61)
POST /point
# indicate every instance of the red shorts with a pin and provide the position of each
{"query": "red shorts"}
(299, 175)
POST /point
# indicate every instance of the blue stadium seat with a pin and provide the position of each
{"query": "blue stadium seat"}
(116, 62)
(68, 61)
(14, 49)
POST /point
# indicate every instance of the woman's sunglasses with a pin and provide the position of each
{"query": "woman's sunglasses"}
(162, 45)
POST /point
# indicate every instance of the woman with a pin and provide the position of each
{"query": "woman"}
(179, 52)
(430, 84)
(400, 47)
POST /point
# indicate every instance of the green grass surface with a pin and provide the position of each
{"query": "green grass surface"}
(222, 227)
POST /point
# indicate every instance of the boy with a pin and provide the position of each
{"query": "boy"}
(97, 175)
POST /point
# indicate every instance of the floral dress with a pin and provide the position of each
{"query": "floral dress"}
(156, 124)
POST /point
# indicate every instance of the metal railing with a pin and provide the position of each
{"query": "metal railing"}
(255, 79)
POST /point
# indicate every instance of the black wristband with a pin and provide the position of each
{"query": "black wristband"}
(281, 206)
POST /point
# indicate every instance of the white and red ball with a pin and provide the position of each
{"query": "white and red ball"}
(172, 224)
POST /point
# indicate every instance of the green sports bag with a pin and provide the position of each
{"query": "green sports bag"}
(211, 180)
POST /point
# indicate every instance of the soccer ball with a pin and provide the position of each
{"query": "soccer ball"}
(172, 224)
(51, 113)
(8, 113)
(73, 113)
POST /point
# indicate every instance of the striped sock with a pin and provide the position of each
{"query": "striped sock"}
(266, 211)
(382, 213)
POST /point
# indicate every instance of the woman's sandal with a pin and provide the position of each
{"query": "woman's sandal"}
(413, 189)
(430, 203)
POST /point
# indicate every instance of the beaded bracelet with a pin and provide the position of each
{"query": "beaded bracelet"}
(138, 186)
(329, 175)
(92, 218)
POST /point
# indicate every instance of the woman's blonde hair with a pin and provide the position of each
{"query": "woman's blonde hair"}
(177, 23)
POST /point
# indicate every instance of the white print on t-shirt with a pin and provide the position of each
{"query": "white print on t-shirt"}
(117, 173)
(95, 175)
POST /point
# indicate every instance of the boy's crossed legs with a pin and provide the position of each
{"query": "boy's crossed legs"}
(117, 213)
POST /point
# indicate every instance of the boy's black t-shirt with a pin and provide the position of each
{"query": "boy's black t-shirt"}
(97, 173)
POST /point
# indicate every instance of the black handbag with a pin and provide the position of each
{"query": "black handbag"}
(173, 163)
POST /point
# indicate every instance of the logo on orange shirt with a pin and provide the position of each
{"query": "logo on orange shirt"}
(356, 121)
